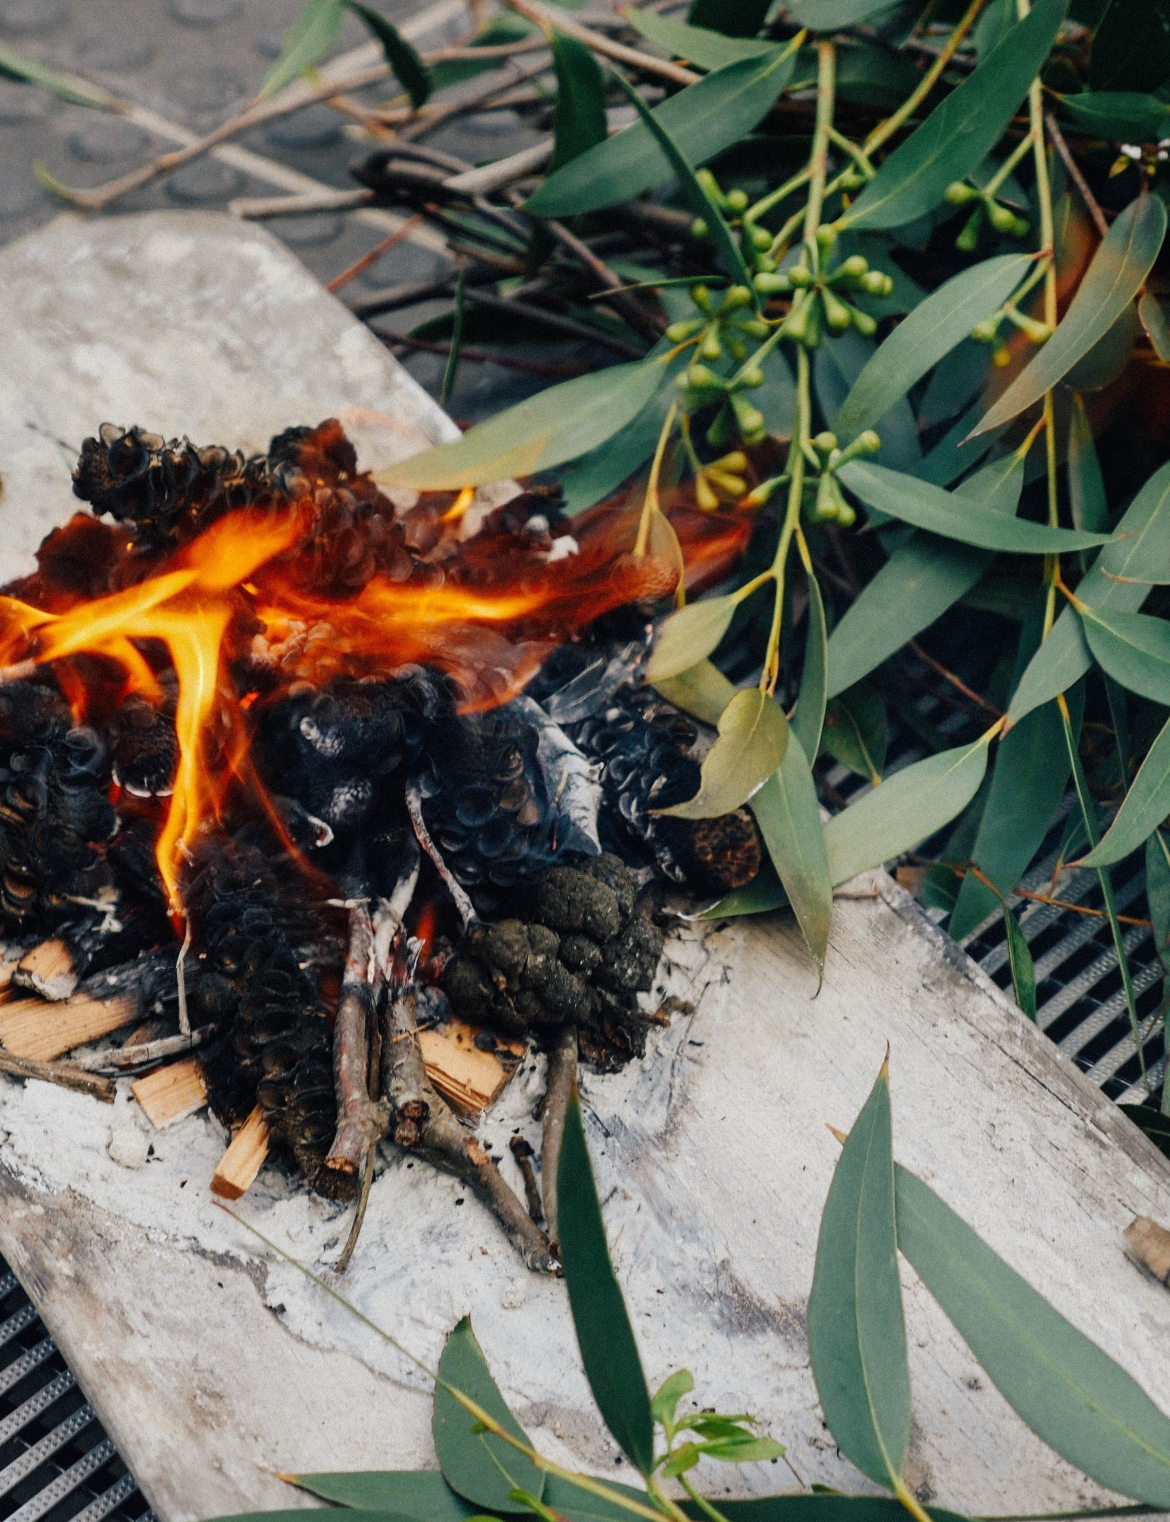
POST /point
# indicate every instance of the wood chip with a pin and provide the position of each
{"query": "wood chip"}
(1150, 1245)
(171, 1092)
(47, 970)
(31, 1028)
(466, 1077)
(243, 1159)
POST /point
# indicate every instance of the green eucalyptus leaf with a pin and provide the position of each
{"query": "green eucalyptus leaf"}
(1072, 1395)
(904, 811)
(702, 121)
(737, 18)
(931, 331)
(701, 690)
(1133, 648)
(1153, 320)
(753, 736)
(832, 15)
(596, 475)
(689, 636)
(1123, 116)
(1109, 356)
(947, 514)
(68, 87)
(962, 130)
(579, 115)
(856, 1329)
(1086, 486)
(765, 891)
(604, 1335)
(1158, 887)
(817, 1506)
(420, 1493)
(686, 1456)
(789, 818)
(408, 68)
(314, 33)
(745, 1448)
(1146, 805)
(553, 426)
(697, 44)
(810, 702)
(1022, 967)
(480, 1467)
(1116, 274)
(855, 731)
(577, 1505)
(669, 1393)
(1141, 553)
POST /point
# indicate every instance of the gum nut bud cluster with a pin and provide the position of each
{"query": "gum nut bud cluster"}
(820, 301)
(829, 504)
(1002, 218)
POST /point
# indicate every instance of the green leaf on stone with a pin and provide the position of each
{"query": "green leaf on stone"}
(947, 514)
(314, 33)
(923, 338)
(789, 818)
(604, 1334)
(701, 690)
(702, 120)
(689, 636)
(1144, 808)
(420, 1493)
(481, 1467)
(855, 731)
(1116, 274)
(961, 131)
(1070, 1392)
(856, 1329)
(753, 736)
(1134, 648)
(904, 811)
(549, 428)
(579, 115)
(407, 67)
(697, 44)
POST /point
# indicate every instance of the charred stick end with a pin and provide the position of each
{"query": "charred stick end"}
(524, 1154)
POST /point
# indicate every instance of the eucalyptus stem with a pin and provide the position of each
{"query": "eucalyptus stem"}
(701, 1501)
(650, 501)
(885, 130)
(771, 672)
(819, 158)
(1013, 158)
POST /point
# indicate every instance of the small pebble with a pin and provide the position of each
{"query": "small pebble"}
(108, 140)
(129, 1144)
(514, 1295)
(205, 12)
(204, 182)
(317, 127)
(308, 231)
(117, 51)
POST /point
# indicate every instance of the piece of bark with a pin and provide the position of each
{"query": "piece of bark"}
(170, 1093)
(47, 970)
(561, 1083)
(1149, 1243)
(465, 1076)
(243, 1160)
(32, 1029)
(421, 1120)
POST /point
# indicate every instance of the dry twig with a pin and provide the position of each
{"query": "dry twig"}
(359, 1119)
(544, 17)
(67, 1075)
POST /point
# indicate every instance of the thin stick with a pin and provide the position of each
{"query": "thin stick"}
(885, 130)
(559, 21)
(355, 1230)
(414, 807)
(181, 980)
(955, 681)
(67, 1075)
(479, 93)
(640, 318)
(145, 1052)
(18, 673)
(366, 260)
(556, 323)
(358, 1117)
(1075, 174)
(562, 1081)
(390, 913)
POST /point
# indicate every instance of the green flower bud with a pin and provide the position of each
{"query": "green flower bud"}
(876, 283)
(814, 329)
(1035, 332)
(736, 348)
(770, 283)
(846, 516)
(679, 332)
(701, 296)
(735, 462)
(826, 235)
(761, 493)
(711, 185)
(704, 496)
(719, 432)
(766, 264)
(837, 315)
(958, 194)
(734, 486)
(1002, 218)
(852, 268)
(711, 348)
(1001, 357)
(862, 321)
(735, 297)
(827, 502)
(851, 180)
(800, 275)
(736, 201)
(759, 237)
(752, 377)
(826, 442)
(795, 325)
(866, 442)
(1019, 228)
(699, 229)
(969, 237)
(700, 378)
(984, 332)
(754, 327)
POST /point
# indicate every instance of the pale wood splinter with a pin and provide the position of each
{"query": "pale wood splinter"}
(243, 1160)
(170, 1093)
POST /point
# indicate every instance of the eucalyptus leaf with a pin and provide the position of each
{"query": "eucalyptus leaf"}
(961, 131)
(737, 18)
(479, 1466)
(904, 811)
(816, 1506)
(689, 636)
(604, 1335)
(1153, 320)
(1072, 1395)
(408, 68)
(1086, 486)
(1113, 279)
(1140, 552)
(789, 818)
(832, 15)
(596, 475)
(697, 44)
(553, 426)
(1123, 116)
(855, 731)
(947, 514)
(701, 690)
(1133, 648)
(814, 679)
(702, 120)
(1022, 967)
(931, 331)
(420, 1493)
(753, 736)
(579, 121)
(314, 33)
(856, 1329)
(763, 894)
(1145, 806)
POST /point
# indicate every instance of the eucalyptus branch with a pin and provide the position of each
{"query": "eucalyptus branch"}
(885, 130)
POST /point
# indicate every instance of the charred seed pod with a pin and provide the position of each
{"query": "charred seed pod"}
(145, 748)
(580, 957)
(276, 1049)
(54, 814)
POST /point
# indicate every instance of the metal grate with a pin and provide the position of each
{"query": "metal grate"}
(56, 1463)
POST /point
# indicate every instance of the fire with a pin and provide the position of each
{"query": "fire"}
(236, 615)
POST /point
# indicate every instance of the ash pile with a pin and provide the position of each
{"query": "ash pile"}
(319, 808)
